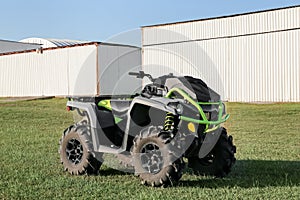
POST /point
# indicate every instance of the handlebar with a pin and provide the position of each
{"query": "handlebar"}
(133, 73)
(141, 74)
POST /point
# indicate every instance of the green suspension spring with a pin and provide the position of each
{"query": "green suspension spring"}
(169, 122)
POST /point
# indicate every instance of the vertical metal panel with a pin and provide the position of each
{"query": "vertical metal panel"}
(28, 74)
(115, 61)
(70, 71)
(223, 27)
(245, 67)
(82, 69)
(194, 59)
(52, 73)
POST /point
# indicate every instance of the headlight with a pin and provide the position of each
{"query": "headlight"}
(179, 108)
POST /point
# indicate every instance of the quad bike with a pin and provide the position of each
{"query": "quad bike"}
(173, 120)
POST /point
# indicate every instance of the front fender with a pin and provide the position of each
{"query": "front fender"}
(209, 142)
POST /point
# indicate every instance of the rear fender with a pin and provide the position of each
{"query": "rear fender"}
(91, 108)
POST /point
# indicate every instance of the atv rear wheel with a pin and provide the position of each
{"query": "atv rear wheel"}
(219, 161)
(76, 151)
(154, 161)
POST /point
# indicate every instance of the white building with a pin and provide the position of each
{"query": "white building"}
(65, 68)
(247, 57)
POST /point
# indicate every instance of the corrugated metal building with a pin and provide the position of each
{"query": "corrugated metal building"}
(81, 69)
(247, 57)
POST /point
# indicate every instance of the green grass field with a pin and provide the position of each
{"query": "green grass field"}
(268, 158)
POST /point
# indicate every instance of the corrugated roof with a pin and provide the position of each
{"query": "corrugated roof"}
(62, 43)
(48, 43)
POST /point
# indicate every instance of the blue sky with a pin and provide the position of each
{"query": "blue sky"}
(97, 20)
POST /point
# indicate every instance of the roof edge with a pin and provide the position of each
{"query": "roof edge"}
(219, 17)
(50, 48)
(116, 44)
(18, 42)
(63, 47)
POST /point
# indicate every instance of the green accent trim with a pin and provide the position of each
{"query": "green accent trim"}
(118, 119)
(221, 112)
(205, 121)
(105, 103)
(189, 119)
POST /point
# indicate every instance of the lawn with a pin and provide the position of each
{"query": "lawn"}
(268, 158)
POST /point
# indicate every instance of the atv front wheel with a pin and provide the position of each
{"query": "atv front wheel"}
(154, 161)
(76, 151)
(219, 161)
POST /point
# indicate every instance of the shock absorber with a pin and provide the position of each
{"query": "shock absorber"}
(169, 122)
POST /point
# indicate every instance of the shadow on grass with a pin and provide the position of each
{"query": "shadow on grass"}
(112, 172)
(253, 173)
(245, 174)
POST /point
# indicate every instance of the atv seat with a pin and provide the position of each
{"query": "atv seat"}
(120, 107)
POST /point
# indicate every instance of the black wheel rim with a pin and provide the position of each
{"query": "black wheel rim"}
(151, 158)
(74, 151)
